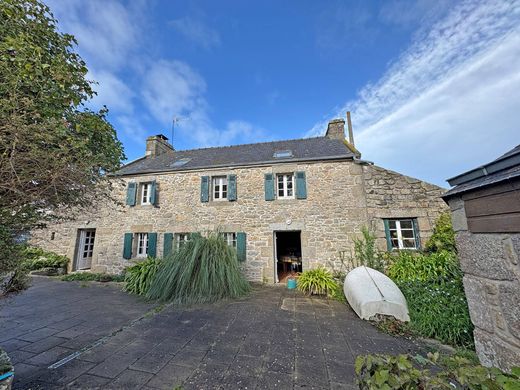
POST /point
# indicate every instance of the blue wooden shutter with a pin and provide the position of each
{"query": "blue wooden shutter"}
(127, 246)
(168, 244)
(241, 246)
(301, 186)
(131, 193)
(152, 244)
(416, 233)
(232, 187)
(387, 233)
(153, 192)
(204, 189)
(269, 186)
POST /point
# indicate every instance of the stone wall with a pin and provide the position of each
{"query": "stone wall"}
(342, 197)
(490, 263)
(392, 195)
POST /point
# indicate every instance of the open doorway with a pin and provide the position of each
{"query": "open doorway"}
(288, 254)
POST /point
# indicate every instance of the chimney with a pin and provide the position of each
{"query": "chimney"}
(157, 145)
(336, 129)
(350, 132)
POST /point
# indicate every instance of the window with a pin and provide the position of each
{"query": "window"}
(181, 239)
(231, 239)
(282, 154)
(220, 187)
(142, 244)
(285, 186)
(401, 233)
(146, 193)
(180, 163)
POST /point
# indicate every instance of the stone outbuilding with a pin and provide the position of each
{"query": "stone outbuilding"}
(485, 207)
(286, 206)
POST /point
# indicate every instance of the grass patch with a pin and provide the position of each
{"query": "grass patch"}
(92, 277)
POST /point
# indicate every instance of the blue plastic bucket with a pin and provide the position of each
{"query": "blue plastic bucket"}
(291, 284)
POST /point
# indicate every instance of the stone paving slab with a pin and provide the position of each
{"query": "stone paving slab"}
(273, 339)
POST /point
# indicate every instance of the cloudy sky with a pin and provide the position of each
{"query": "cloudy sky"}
(433, 85)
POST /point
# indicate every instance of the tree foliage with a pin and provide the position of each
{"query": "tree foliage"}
(54, 151)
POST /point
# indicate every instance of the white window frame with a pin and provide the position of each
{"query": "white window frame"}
(146, 193)
(142, 245)
(181, 237)
(285, 185)
(399, 230)
(231, 239)
(219, 186)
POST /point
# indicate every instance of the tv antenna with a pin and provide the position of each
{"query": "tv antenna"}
(176, 120)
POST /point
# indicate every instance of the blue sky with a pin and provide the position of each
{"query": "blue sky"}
(433, 85)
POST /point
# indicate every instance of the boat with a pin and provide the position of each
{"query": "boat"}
(370, 292)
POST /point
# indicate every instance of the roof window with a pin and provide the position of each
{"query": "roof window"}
(180, 163)
(282, 154)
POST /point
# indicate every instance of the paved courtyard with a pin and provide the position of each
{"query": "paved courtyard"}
(87, 336)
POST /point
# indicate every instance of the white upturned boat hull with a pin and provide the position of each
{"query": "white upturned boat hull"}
(369, 292)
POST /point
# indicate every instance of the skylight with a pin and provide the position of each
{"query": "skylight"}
(282, 154)
(180, 163)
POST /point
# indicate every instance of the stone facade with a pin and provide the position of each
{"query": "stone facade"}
(342, 197)
(491, 267)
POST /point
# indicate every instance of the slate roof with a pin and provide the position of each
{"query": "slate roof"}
(306, 149)
(505, 167)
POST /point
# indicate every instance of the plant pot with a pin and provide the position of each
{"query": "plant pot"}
(6, 382)
(291, 283)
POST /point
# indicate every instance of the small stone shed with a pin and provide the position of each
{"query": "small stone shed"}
(485, 207)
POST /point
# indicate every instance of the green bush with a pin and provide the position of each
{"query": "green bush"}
(204, 269)
(139, 276)
(13, 275)
(366, 253)
(318, 281)
(432, 372)
(412, 266)
(5, 362)
(92, 277)
(36, 258)
(443, 237)
(439, 310)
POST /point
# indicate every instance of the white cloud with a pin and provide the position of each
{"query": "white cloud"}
(450, 101)
(111, 92)
(197, 32)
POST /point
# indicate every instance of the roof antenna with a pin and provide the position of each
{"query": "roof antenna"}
(175, 120)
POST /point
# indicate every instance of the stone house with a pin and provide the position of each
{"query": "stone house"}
(485, 207)
(286, 206)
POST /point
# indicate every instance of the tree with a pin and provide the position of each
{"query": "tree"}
(54, 152)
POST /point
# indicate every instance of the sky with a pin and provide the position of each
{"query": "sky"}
(433, 85)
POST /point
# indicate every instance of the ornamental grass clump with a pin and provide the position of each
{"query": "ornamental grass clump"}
(139, 276)
(203, 269)
(318, 281)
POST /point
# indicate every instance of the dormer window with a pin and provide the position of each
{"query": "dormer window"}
(282, 154)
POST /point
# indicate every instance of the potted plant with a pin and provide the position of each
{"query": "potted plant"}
(6, 371)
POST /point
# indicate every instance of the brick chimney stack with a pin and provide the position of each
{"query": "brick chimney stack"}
(336, 129)
(157, 145)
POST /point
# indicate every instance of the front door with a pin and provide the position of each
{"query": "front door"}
(85, 248)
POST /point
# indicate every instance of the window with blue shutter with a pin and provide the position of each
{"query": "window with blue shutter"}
(127, 246)
(301, 186)
(269, 186)
(204, 189)
(402, 233)
(152, 244)
(131, 193)
(241, 246)
(232, 188)
(153, 192)
(168, 244)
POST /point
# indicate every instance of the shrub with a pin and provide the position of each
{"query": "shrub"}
(139, 276)
(410, 266)
(92, 277)
(36, 258)
(439, 310)
(365, 251)
(204, 269)
(432, 372)
(13, 275)
(318, 281)
(443, 237)
(5, 363)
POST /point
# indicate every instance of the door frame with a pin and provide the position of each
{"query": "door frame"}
(275, 250)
